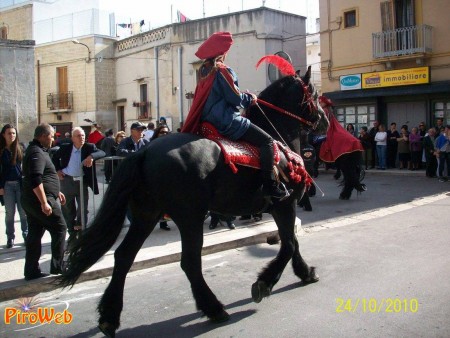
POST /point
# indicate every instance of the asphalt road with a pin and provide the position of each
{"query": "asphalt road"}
(383, 260)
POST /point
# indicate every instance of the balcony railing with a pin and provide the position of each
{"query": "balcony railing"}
(402, 41)
(60, 102)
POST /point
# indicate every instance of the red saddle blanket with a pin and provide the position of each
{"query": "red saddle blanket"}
(339, 141)
(245, 154)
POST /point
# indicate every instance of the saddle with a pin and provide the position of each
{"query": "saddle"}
(241, 153)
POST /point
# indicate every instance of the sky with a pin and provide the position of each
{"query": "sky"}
(165, 12)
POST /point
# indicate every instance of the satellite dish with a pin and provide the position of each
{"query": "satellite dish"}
(273, 72)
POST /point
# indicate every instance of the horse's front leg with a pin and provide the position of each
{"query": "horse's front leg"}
(284, 216)
(306, 273)
(191, 262)
(111, 303)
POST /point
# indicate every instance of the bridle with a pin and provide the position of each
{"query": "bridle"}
(308, 100)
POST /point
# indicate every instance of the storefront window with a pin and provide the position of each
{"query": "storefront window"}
(359, 116)
(442, 110)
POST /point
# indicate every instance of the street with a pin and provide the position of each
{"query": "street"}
(382, 258)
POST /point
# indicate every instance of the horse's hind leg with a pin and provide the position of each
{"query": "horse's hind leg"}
(191, 229)
(284, 216)
(111, 303)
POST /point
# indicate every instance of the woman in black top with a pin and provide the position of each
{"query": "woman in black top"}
(11, 154)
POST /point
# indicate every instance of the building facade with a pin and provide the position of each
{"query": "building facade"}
(386, 61)
(94, 77)
(157, 71)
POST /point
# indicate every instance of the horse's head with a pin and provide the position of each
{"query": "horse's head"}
(289, 105)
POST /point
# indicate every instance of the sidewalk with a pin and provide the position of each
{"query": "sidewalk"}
(161, 247)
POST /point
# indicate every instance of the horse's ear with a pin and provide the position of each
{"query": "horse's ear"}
(307, 76)
(297, 72)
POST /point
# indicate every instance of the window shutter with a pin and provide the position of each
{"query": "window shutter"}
(387, 15)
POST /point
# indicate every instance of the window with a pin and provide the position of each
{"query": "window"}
(442, 111)
(350, 18)
(397, 14)
(359, 116)
(143, 105)
(63, 87)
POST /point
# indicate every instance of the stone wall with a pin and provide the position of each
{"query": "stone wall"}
(17, 86)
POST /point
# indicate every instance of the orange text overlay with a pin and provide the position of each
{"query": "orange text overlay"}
(41, 315)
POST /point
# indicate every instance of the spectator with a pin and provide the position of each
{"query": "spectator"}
(149, 132)
(74, 161)
(381, 140)
(351, 129)
(364, 138)
(66, 139)
(256, 217)
(439, 126)
(415, 145)
(11, 155)
(134, 142)
(404, 153)
(216, 219)
(108, 145)
(372, 133)
(430, 153)
(443, 150)
(160, 131)
(42, 200)
(117, 139)
(392, 145)
(422, 130)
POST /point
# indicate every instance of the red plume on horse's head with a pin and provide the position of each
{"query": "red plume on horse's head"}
(283, 66)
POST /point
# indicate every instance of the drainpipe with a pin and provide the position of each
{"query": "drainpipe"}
(16, 117)
(38, 92)
(180, 83)
(156, 84)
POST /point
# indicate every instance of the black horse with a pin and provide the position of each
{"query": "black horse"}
(184, 176)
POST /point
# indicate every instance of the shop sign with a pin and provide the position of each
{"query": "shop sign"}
(350, 82)
(399, 77)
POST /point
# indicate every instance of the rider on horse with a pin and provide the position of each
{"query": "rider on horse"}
(216, 100)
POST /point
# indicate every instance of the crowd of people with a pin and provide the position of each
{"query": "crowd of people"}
(409, 149)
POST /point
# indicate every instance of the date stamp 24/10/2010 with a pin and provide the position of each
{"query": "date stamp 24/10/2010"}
(374, 305)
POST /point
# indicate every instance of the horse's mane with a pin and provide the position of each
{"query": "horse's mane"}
(276, 91)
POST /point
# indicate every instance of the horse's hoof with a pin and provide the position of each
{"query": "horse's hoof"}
(259, 291)
(307, 208)
(107, 329)
(313, 277)
(362, 187)
(272, 240)
(345, 198)
(223, 316)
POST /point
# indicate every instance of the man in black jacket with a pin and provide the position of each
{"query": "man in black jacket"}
(42, 200)
(133, 143)
(73, 161)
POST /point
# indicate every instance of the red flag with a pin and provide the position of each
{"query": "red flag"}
(182, 17)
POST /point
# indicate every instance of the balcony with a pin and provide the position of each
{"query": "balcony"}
(143, 109)
(60, 102)
(406, 42)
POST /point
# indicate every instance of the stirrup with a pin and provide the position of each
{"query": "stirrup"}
(287, 192)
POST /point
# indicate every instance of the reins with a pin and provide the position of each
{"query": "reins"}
(285, 112)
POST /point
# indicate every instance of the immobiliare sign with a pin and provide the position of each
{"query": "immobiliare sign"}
(399, 77)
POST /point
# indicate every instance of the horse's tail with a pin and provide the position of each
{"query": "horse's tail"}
(102, 233)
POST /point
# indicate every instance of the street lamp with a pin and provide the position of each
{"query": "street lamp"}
(75, 41)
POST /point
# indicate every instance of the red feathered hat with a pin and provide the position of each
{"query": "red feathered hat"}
(326, 100)
(217, 44)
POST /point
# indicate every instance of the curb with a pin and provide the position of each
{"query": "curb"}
(19, 288)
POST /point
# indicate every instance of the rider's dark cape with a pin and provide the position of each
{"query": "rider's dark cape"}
(192, 123)
(339, 141)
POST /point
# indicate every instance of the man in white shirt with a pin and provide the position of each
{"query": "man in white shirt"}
(150, 131)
